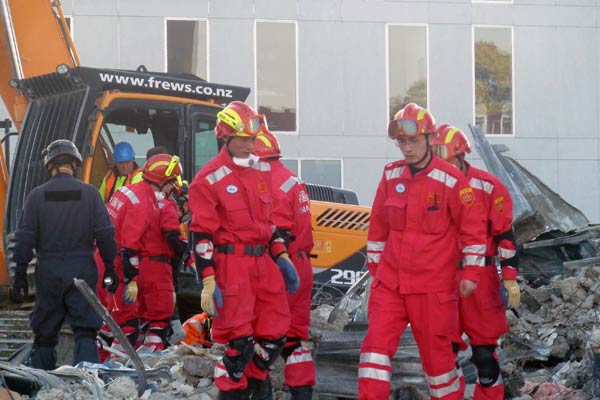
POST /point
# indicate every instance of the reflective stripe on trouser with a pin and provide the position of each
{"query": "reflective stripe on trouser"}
(494, 392)
(299, 368)
(254, 304)
(482, 314)
(155, 336)
(130, 332)
(434, 320)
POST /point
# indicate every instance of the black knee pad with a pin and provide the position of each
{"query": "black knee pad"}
(41, 341)
(267, 351)
(484, 358)
(80, 333)
(242, 350)
(291, 344)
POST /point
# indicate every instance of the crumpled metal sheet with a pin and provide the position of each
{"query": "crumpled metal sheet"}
(536, 208)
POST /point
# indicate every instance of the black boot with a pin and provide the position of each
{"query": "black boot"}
(260, 390)
(301, 392)
(230, 395)
(43, 357)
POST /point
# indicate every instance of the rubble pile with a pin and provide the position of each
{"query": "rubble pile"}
(548, 349)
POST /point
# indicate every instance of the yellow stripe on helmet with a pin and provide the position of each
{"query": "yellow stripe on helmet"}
(231, 118)
(450, 135)
(421, 114)
(264, 139)
(158, 164)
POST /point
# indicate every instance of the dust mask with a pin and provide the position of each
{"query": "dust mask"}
(246, 162)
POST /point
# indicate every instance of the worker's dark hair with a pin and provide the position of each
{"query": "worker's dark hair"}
(156, 150)
(62, 160)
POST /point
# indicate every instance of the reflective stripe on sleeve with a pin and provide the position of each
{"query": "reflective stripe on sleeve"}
(487, 187)
(393, 173)
(443, 177)
(218, 175)
(130, 195)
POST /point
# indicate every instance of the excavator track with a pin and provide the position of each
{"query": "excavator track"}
(14, 331)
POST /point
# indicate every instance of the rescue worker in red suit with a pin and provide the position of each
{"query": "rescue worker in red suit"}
(423, 208)
(134, 212)
(482, 315)
(233, 234)
(162, 251)
(291, 215)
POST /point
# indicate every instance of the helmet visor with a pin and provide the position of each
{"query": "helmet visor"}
(399, 127)
(441, 151)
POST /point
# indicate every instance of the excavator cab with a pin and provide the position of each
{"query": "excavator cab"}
(98, 108)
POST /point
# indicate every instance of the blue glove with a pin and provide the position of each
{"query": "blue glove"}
(288, 271)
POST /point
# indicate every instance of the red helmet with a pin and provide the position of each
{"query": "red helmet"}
(162, 168)
(238, 119)
(267, 145)
(450, 142)
(412, 120)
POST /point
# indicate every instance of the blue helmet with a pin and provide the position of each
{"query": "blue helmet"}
(123, 152)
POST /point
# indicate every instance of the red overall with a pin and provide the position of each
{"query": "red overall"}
(416, 225)
(482, 315)
(233, 204)
(134, 211)
(292, 213)
(155, 282)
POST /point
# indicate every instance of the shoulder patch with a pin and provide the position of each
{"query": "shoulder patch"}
(499, 203)
(467, 197)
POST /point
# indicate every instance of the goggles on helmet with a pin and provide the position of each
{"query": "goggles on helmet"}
(400, 127)
(441, 151)
(251, 127)
(172, 165)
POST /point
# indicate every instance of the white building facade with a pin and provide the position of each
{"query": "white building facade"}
(329, 73)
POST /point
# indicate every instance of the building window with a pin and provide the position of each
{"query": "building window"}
(318, 172)
(493, 79)
(276, 74)
(407, 66)
(292, 165)
(187, 47)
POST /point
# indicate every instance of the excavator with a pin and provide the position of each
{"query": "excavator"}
(50, 96)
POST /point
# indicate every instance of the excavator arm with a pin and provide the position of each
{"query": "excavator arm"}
(34, 42)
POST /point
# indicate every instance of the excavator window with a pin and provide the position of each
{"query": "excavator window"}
(141, 125)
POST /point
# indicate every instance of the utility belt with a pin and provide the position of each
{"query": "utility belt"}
(255, 250)
(163, 258)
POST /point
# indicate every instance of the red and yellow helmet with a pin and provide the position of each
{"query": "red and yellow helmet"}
(238, 119)
(450, 142)
(412, 120)
(267, 145)
(162, 168)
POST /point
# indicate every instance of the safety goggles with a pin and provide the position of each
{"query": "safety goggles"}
(399, 127)
(174, 163)
(441, 151)
(251, 126)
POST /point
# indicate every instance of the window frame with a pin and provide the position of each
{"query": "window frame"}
(297, 72)
(166, 39)
(299, 163)
(512, 78)
(387, 62)
(493, 1)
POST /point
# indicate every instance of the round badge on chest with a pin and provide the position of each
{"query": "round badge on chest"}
(400, 188)
(231, 189)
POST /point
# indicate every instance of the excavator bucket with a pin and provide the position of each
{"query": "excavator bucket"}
(34, 42)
